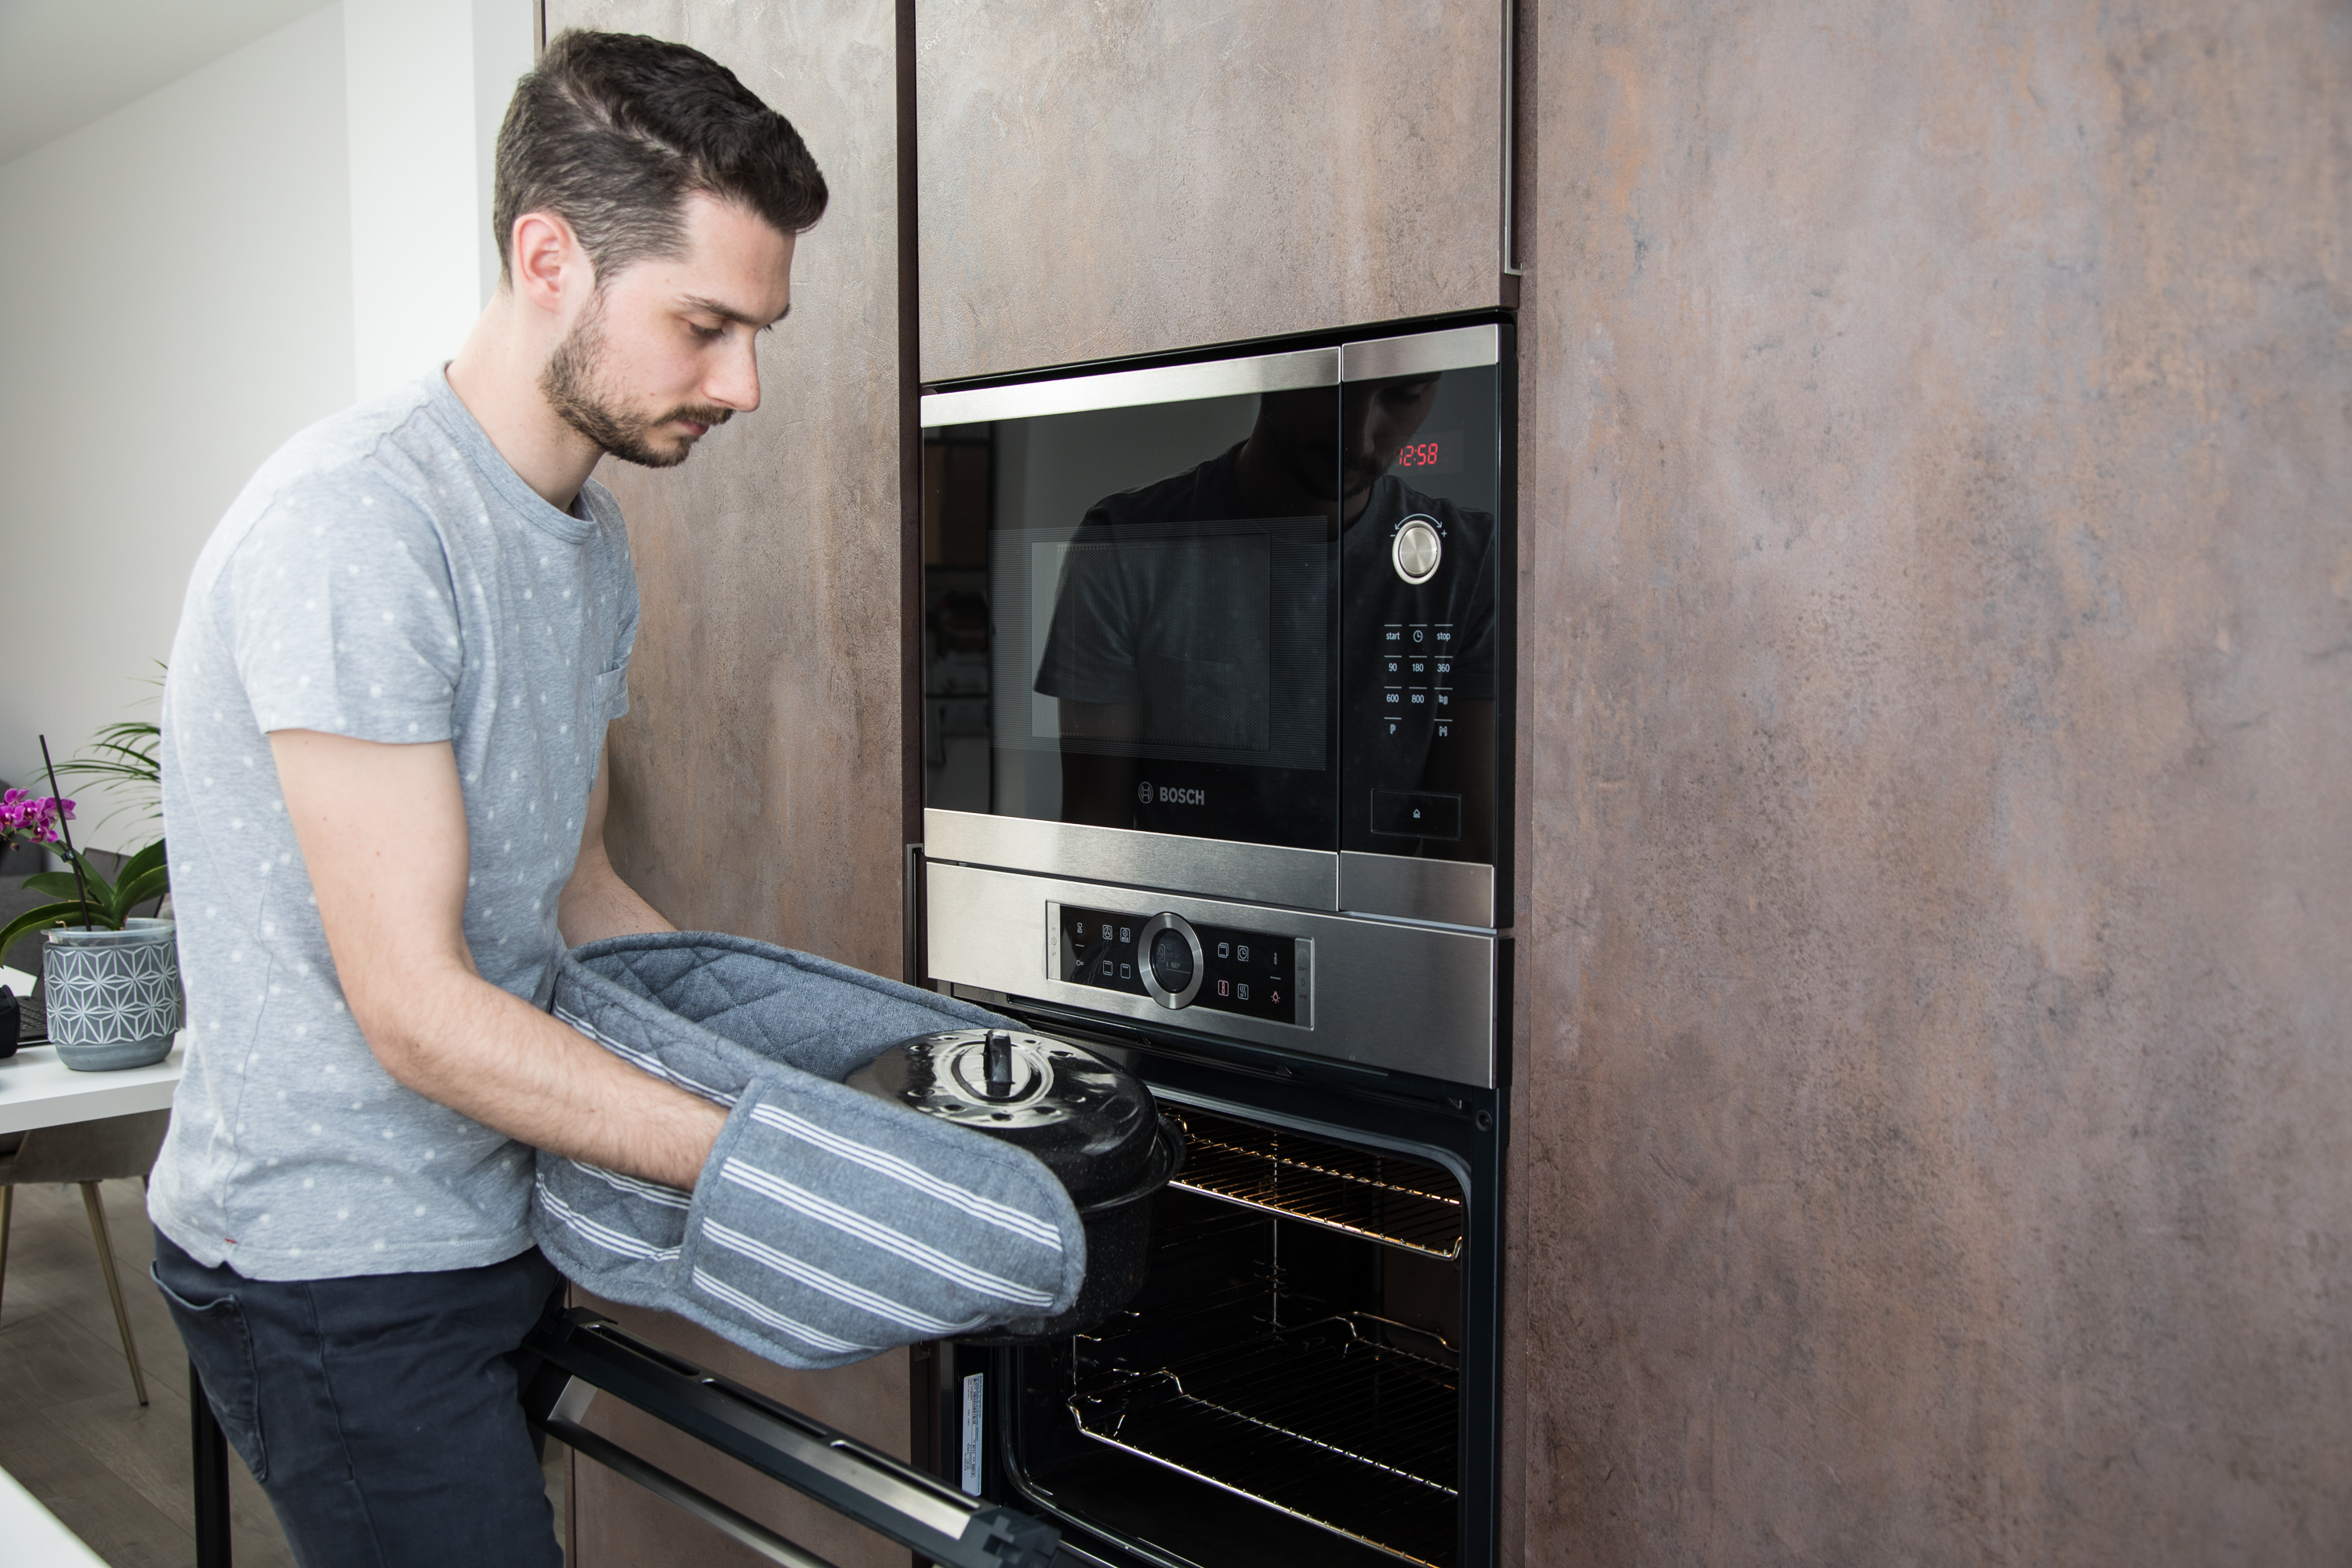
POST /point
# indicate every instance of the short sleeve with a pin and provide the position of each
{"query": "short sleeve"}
(338, 608)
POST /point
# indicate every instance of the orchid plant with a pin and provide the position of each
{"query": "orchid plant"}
(24, 819)
(85, 897)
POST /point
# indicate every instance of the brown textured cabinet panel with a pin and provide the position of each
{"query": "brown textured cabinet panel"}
(1130, 176)
(618, 1524)
(1931, 1143)
(757, 776)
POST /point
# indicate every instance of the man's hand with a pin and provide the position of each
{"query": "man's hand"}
(383, 830)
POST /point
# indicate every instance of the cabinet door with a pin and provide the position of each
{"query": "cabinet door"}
(757, 778)
(1133, 176)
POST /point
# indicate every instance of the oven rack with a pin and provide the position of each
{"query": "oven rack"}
(1387, 1198)
(1324, 1423)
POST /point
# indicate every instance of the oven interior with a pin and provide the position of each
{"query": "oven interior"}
(1288, 1385)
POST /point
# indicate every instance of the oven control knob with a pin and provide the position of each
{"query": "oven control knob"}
(1172, 960)
(1416, 550)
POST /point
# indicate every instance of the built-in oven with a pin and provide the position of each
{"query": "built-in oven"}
(1218, 656)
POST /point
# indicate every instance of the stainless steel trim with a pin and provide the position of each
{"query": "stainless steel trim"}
(1410, 998)
(917, 1510)
(1456, 348)
(1253, 873)
(1171, 1000)
(566, 1427)
(1450, 892)
(573, 1404)
(1131, 388)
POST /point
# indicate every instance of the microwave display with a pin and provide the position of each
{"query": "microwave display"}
(1266, 615)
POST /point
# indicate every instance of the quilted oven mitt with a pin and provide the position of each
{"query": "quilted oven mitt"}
(827, 1225)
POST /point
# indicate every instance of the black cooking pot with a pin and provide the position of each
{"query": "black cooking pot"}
(1091, 1123)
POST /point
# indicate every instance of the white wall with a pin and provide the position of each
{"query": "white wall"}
(190, 280)
(427, 84)
(176, 299)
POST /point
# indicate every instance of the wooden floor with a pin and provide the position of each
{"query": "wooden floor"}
(70, 1428)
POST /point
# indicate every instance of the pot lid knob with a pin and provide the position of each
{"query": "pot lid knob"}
(998, 1066)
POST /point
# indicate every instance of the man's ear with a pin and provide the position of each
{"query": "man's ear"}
(546, 261)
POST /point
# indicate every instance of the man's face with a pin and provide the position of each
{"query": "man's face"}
(665, 348)
(1376, 419)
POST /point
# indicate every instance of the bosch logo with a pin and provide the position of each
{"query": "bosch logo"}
(1182, 796)
(1143, 792)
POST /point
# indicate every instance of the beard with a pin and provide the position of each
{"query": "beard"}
(574, 387)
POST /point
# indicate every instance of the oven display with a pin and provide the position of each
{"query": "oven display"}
(1243, 972)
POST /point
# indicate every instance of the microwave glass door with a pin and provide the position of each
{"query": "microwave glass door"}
(1244, 601)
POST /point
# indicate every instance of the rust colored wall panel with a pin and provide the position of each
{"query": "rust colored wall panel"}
(757, 776)
(1132, 176)
(621, 1525)
(1932, 1140)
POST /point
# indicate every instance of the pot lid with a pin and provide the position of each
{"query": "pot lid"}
(1089, 1120)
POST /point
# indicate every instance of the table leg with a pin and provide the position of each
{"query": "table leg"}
(212, 1476)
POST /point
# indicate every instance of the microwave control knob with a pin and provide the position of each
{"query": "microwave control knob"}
(1417, 550)
(1174, 964)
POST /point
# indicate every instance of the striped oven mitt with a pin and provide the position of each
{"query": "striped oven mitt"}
(827, 1225)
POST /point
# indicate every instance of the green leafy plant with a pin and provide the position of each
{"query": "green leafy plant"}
(96, 903)
(126, 761)
(126, 758)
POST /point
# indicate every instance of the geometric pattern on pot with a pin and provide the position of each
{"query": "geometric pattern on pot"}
(111, 994)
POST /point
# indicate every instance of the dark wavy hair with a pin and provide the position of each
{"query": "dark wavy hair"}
(612, 132)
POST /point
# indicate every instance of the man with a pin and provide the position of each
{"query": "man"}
(384, 792)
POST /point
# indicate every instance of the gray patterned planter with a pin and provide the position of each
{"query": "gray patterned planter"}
(112, 996)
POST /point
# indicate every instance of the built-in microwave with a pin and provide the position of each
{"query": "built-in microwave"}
(1235, 619)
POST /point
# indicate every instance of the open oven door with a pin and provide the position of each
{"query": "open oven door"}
(585, 1357)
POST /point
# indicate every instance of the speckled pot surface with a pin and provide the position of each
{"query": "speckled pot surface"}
(112, 996)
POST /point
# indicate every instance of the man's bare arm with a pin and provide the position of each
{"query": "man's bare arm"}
(596, 903)
(383, 829)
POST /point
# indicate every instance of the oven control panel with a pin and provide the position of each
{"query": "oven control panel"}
(1178, 963)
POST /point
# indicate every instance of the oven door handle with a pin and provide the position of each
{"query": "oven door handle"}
(585, 1356)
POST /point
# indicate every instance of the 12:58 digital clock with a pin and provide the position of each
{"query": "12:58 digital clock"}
(1437, 454)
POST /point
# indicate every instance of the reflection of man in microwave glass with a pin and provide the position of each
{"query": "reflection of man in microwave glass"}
(1169, 655)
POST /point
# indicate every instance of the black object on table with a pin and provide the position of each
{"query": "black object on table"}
(211, 1446)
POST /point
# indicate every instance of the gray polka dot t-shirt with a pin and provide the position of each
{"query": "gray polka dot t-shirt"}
(386, 576)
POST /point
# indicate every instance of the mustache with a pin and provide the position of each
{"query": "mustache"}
(714, 417)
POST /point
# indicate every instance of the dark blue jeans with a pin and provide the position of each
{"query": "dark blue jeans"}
(381, 1413)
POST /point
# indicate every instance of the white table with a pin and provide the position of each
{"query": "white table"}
(34, 1538)
(38, 1090)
